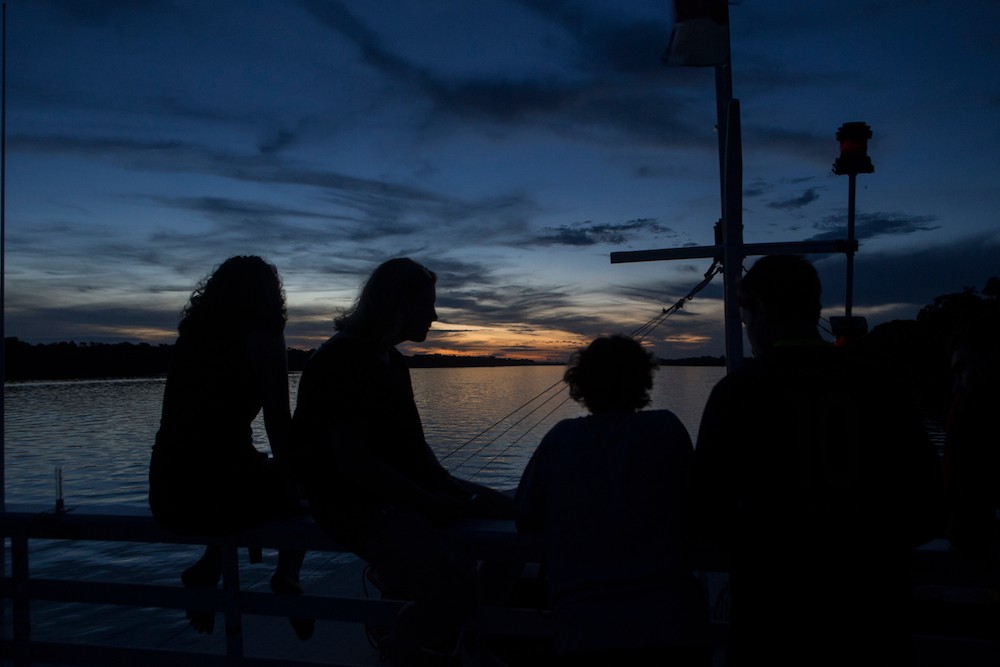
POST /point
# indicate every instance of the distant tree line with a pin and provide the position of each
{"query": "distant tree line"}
(456, 361)
(917, 349)
(66, 361)
(694, 361)
(70, 361)
(61, 361)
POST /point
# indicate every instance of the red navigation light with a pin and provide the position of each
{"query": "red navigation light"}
(853, 138)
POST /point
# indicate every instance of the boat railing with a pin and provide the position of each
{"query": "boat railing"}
(938, 575)
(495, 540)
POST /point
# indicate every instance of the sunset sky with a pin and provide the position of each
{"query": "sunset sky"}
(510, 145)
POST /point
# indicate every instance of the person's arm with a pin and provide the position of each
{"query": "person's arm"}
(355, 455)
(532, 491)
(348, 420)
(711, 500)
(270, 350)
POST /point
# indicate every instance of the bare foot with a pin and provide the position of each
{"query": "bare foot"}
(203, 574)
(282, 584)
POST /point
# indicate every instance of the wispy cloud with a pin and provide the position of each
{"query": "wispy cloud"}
(872, 225)
(797, 202)
(589, 233)
(596, 98)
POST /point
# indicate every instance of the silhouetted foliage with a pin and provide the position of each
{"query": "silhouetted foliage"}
(918, 351)
(69, 361)
(694, 361)
(58, 361)
(452, 361)
(950, 313)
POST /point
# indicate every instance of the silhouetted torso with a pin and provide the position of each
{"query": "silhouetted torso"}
(367, 454)
(817, 471)
(973, 471)
(206, 475)
(607, 492)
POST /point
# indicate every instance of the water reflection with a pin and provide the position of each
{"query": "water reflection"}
(100, 431)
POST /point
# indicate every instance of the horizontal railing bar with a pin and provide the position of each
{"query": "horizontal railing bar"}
(481, 538)
(132, 595)
(934, 564)
(103, 655)
(356, 610)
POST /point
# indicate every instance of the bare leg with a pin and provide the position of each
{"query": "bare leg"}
(203, 574)
(285, 581)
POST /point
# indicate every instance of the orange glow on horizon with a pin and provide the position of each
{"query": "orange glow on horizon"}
(513, 341)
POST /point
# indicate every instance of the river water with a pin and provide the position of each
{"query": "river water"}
(484, 424)
(99, 432)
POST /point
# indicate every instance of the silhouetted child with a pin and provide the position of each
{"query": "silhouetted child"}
(607, 491)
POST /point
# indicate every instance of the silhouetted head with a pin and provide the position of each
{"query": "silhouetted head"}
(613, 373)
(244, 293)
(396, 304)
(779, 299)
(975, 354)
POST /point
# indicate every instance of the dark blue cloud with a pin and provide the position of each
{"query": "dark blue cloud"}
(914, 277)
(795, 203)
(598, 97)
(873, 225)
(589, 233)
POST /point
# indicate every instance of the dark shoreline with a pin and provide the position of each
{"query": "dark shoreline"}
(85, 361)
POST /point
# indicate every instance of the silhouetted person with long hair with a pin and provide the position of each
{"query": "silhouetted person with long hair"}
(814, 467)
(607, 491)
(206, 476)
(374, 483)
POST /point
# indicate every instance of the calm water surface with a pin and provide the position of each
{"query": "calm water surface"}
(484, 424)
(100, 433)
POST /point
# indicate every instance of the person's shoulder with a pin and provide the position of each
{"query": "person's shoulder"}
(340, 347)
(750, 373)
(566, 433)
(659, 417)
(566, 427)
(663, 426)
(337, 356)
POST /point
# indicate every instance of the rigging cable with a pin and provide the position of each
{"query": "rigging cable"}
(650, 326)
(516, 440)
(639, 334)
(506, 430)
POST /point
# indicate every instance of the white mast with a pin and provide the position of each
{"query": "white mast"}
(700, 38)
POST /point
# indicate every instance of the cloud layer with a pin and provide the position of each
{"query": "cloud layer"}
(510, 145)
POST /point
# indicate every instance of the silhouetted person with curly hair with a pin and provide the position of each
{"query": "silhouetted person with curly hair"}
(206, 476)
(608, 491)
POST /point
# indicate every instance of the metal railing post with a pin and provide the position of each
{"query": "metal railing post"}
(232, 607)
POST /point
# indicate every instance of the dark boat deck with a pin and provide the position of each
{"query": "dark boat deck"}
(82, 621)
